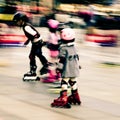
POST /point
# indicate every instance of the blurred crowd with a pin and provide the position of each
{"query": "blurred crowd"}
(96, 19)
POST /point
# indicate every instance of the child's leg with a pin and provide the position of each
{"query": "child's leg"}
(52, 75)
(54, 61)
(64, 84)
(74, 98)
(33, 66)
(44, 62)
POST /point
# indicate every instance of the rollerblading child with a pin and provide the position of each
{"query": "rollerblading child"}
(53, 46)
(69, 68)
(33, 36)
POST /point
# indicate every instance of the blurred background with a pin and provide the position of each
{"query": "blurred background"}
(97, 27)
(99, 18)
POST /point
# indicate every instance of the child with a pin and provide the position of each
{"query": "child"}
(69, 67)
(53, 47)
(53, 39)
(33, 35)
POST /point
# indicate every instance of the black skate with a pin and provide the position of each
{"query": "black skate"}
(45, 69)
(62, 101)
(31, 77)
(74, 98)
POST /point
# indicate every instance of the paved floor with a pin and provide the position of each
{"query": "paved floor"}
(99, 87)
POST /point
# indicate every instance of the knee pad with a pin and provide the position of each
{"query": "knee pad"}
(73, 84)
(64, 85)
(63, 82)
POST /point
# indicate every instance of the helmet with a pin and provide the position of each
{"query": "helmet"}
(67, 34)
(20, 16)
(53, 23)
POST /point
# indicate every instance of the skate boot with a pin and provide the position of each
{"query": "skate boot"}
(74, 98)
(62, 101)
(31, 75)
(52, 75)
(44, 69)
(50, 78)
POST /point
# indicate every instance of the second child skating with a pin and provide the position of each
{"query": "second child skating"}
(69, 68)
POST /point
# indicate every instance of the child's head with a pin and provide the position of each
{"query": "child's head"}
(20, 18)
(52, 25)
(67, 35)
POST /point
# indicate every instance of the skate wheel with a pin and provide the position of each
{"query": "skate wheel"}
(34, 78)
(56, 105)
(52, 105)
(38, 79)
(24, 80)
(79, 103)
(75, 103)
(68, 105)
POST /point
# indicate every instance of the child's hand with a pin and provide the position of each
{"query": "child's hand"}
(26, 42)
(80, 67)
(44, 43)
(58, 70)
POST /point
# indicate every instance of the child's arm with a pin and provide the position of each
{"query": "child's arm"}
(62, 60)
(26, 42)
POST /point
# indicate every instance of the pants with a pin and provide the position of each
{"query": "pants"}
(36, 50)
